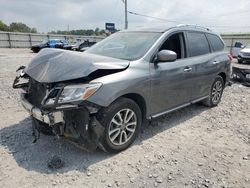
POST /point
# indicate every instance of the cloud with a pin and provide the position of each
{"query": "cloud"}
(47, 15)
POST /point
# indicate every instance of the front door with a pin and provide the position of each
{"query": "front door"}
(171, 82)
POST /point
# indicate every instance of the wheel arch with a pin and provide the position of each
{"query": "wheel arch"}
(139, 100)
(224, 76)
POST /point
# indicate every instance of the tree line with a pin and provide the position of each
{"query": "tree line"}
(23, 28)
(17, 27)
(87, 32)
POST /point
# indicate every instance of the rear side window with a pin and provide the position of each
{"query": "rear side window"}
(215, 42)
(198, 44)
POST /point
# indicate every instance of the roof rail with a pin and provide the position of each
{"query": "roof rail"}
(196, 26)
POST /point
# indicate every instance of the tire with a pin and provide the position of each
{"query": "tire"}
(216, 92)
(116, 129)
(42, 127)
(36, 50)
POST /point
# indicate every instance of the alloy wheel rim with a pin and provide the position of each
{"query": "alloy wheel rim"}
(216, 92)
(122, 127)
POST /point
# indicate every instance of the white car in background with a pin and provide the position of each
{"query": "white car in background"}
(238, 46)
(244, 55)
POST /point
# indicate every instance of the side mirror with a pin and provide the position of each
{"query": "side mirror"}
(166, 56)
(242, 46)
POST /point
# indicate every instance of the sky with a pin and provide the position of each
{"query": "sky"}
(47, 15)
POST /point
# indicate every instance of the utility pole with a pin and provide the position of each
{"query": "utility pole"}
(126, 14)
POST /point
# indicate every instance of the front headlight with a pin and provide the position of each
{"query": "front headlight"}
(73, 93)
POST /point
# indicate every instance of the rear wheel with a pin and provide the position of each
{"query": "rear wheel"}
(122, 122)
(215, 92)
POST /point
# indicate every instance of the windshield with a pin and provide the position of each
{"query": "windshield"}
(127, 45)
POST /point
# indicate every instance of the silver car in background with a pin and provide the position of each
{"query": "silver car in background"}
(100, 98)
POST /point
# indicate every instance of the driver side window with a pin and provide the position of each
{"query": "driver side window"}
(175, 43)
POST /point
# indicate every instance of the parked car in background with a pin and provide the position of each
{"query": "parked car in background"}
(244, 55)
(51, 43)
(70, 46)
(236, 49)
(85, 45)
(101, 97)
(78, 46)
(74, 45)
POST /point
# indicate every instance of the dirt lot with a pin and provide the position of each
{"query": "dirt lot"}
(193, 147)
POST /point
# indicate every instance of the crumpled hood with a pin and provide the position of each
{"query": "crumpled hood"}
(56, 65)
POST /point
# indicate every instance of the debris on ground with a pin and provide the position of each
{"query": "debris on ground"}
(55, 162)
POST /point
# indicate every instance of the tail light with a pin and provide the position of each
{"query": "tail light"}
(230, 56)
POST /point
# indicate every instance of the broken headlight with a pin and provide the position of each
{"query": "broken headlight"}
(73, 93)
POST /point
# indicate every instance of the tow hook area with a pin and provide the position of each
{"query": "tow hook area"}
(80, 128)
(89, 135)
(97, 131)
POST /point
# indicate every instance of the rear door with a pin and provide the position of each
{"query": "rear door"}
(219, 59)
(200, 55)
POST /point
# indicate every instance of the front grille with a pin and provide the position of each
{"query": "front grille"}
(246, 53)
(36, 92)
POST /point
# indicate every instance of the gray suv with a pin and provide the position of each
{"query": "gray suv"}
(100, 98)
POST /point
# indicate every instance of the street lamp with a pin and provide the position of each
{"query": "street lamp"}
(126, 13)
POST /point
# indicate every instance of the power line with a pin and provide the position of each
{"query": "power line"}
(174, 21)
(228, 26)
(207, 11)
(235, 12)
(143, 15)
(220, 15)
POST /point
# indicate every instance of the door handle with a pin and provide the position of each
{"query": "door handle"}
(215, 62)
(187, 69)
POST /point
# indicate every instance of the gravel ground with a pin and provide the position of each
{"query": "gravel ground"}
(193, 147)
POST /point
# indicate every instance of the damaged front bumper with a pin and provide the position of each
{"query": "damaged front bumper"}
(77, 125)
(75, 120)
(50, 118)
(241, 74)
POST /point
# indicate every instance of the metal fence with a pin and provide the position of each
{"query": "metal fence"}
(230, 40)
(26, 40)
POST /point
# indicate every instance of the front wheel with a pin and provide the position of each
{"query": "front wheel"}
(122, 122)
(215, 94)
(35, 50)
